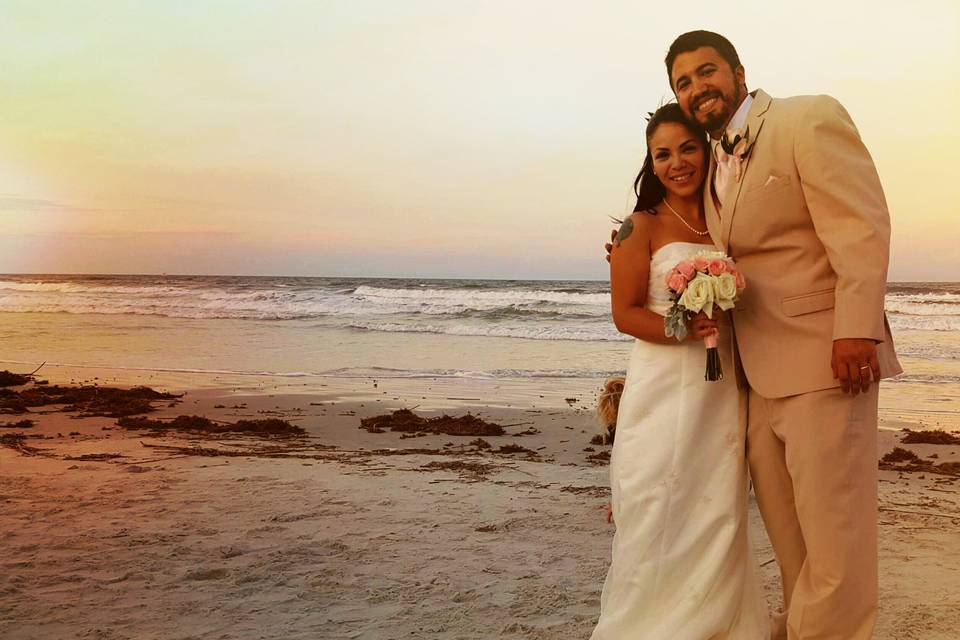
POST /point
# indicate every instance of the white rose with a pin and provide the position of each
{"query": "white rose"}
(725, 290)
(698, 295)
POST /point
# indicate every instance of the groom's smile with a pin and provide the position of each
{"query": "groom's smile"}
(707, 103)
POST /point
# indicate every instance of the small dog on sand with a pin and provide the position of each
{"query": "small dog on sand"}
(607, 405)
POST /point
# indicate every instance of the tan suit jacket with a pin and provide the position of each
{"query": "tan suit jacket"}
(808, 225)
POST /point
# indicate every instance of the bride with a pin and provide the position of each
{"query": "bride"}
(682, 565)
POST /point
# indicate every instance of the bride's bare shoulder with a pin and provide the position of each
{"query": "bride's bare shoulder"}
(635, 231)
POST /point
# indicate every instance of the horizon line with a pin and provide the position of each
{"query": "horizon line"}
(469, 278)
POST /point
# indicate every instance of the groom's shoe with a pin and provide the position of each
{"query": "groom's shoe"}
(778, 626)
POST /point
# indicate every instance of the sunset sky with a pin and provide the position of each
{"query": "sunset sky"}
(415, 138)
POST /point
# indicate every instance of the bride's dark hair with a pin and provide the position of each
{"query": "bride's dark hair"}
(647, 186)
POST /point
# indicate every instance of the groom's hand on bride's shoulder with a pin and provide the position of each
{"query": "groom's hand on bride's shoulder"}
(609, 245)
(855, 364)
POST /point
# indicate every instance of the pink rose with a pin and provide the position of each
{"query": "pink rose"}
(687, 269)
(716, 267)
(677, 282)
(701, 263)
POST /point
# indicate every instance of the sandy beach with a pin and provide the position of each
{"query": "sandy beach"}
(347, 533)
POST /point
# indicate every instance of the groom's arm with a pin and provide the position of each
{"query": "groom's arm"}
(850, 216)
(849, 213)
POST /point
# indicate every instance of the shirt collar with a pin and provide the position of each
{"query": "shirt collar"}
(740, 117)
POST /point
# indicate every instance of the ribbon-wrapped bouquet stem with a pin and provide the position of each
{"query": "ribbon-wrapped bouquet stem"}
(708, 282)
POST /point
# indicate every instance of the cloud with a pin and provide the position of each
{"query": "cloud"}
(40, 205)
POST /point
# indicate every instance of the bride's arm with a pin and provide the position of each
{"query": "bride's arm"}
(629, 275)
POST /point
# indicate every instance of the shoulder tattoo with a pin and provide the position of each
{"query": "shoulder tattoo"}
(625, 230)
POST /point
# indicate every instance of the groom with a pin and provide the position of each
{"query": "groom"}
(793, 196)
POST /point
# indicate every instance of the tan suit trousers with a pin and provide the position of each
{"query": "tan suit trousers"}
(813, 460)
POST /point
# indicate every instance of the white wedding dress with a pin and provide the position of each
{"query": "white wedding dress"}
(682, 567)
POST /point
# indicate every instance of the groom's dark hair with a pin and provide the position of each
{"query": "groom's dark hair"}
(693, 40)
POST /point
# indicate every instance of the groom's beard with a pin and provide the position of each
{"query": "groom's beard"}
(716, 121)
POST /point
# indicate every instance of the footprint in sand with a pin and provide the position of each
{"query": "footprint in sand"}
(231, 552)
(293, 517)
(135, 468)
(207, 574)
(510, 524)
(265, 529)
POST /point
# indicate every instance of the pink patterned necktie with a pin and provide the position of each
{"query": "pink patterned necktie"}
(722, 175)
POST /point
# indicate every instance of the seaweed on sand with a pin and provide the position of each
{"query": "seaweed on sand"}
(899, 454)
(10, 379)
(601, 457)
(95, 457)
(405, 420)
(198, 424)
(475, 470)
(935, 436)
(900, 459)
(516, 448)
(22, 424)
(16, 442)
(87, 400)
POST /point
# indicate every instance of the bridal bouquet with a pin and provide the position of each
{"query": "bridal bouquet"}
(709, 281)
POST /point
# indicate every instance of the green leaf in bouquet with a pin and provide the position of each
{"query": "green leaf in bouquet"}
(674, 324)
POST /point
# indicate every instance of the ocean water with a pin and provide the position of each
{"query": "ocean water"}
(404, 328)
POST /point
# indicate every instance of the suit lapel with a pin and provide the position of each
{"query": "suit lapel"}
(714, 225)
(761, 102)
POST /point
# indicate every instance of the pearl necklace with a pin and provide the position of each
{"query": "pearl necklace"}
(687, 225)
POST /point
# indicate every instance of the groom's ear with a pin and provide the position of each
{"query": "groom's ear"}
(741, 75)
